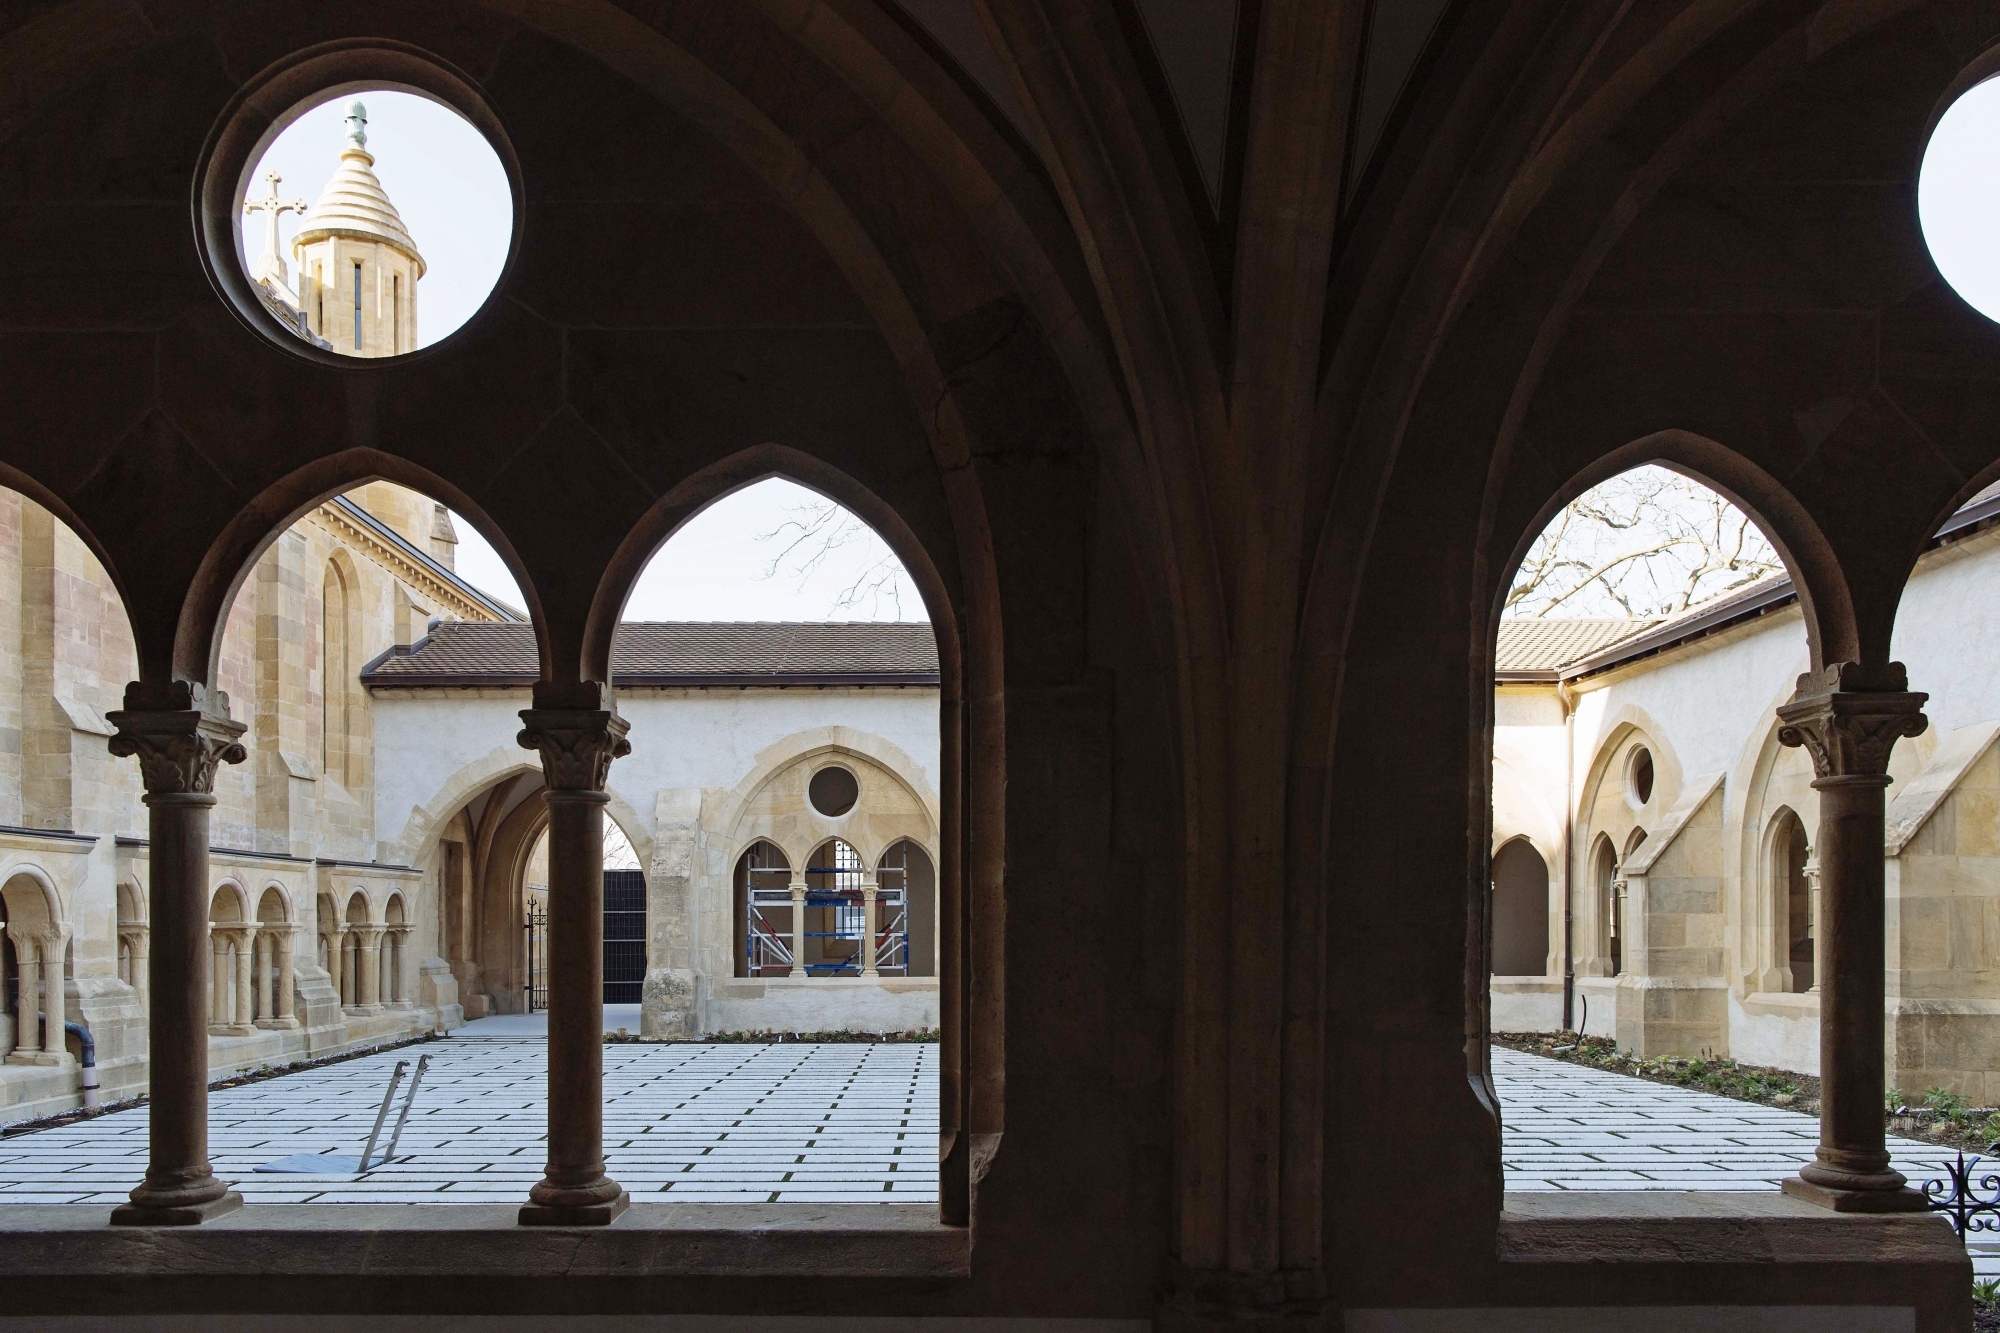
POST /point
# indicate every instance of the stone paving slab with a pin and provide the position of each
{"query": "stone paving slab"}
(714, 1123)
(1567, 1127)
(856, 1123)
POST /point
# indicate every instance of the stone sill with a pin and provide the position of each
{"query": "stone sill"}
(459, 1241)
(750, 988)
(1676, 1227)
(1782, 1004)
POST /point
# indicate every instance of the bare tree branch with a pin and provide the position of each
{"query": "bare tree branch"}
(1647, 543)
(812, 533)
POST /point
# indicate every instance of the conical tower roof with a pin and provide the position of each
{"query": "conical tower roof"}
(354, 202)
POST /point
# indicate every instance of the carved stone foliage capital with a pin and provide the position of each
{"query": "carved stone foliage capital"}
(577, 745)
(178, 750)
(1848, 732)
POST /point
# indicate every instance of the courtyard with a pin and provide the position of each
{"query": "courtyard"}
(801, 1122)
(683, 1123)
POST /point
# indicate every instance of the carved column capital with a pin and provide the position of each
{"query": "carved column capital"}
(577, 745)
(179, 750)
(1849, 732)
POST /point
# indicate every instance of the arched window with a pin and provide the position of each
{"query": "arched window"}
(1610, 904)
(229, 933)
(907, 912)
(836, 920)
(337, 673)
(1792, 896)
(392, 951)
(131, 938)
(763, 912)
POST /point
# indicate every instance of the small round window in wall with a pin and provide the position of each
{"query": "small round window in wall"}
(376, 223)
(1958, 197)
(1640, 773)
(833, 791)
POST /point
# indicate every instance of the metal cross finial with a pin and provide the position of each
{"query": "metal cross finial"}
(272, 207)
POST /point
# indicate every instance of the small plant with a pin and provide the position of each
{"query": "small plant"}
(1986, 1293)
(1945, 1104)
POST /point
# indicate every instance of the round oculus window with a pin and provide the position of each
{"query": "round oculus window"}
(370, 220)
(1958, 197)
(1641, 776)
(833, 791)
(376, 223)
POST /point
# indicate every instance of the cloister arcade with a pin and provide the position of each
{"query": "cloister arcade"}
(1210, 367)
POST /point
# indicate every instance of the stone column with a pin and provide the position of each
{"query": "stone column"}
(368, 968)
(798, 928)
(218, 978)
(179, 751)
(577, 746)
(287, 946)
(246, 951)
(398, 953)
(1812, 913)
(1849, 719)
(135, 940)
(870, 916)
(27, 1030)
(261, 953)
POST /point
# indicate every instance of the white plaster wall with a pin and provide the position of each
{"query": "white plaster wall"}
(1704, 701)
(1947, 629)
(685, 739)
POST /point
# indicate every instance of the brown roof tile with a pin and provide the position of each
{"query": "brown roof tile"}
(679, 652)
(1544, 645)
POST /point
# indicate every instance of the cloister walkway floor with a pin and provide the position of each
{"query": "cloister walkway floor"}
(821, 1123)
(794, 1123)
(1565, 1127)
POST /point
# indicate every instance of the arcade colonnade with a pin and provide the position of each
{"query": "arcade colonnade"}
(1211, 429)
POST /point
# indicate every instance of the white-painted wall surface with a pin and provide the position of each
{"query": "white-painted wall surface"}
(1708, 707)
(428, 744)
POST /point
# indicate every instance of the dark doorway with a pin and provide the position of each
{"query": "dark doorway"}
(624, 936)
(1520, 911)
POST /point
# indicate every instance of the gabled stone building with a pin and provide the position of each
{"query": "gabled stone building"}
(1655, 867)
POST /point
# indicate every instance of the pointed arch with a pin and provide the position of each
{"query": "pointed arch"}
(197, 643)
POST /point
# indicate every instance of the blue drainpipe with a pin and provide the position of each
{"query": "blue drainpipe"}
(89, 1080)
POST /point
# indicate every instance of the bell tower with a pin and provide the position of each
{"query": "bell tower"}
(358, 265)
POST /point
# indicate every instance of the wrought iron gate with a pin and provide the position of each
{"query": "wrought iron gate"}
(537, 989)
(624, 936)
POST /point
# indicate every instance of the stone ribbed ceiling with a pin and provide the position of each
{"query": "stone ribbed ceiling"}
(1194, 45)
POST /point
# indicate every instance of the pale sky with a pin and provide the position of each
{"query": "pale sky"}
(719, 566)
(440, 173)
(1958, 197)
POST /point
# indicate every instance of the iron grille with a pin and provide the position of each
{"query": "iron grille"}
(537, 989)
(624, 936)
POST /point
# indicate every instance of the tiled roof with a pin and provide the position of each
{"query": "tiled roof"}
(1544, 645)
(678, 653)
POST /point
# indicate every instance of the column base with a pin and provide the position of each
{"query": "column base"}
(174, 1215)
(575, 1215)
(45, 1059)
(1901, 1199)
(278, 1024)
